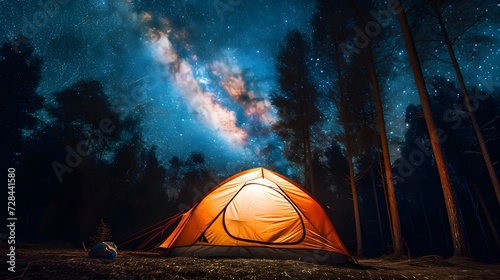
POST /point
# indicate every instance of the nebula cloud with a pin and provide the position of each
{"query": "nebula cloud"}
(213, 114)
(231, 79)
(196, 85)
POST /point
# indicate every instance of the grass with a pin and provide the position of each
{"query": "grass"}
(43, 263)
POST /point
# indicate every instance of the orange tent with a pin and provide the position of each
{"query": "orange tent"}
(257, 214)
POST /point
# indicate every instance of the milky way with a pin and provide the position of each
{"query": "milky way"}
(203, 71)
(204, 74)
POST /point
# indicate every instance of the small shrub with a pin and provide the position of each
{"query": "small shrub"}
(102, 234)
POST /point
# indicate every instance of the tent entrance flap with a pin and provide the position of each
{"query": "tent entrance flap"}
(263, 214)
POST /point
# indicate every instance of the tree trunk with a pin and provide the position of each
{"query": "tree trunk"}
(470, 110)
(304, 145)
(309, 159)
(396, 227)
(451, 208)
(386, 200)
(393, 207)
(487, 214)
(344, 117)
(444, 229)
(352, 180)
(429, 232)
(308, 169)
(375, 197)
(411, 224)
(304, 160)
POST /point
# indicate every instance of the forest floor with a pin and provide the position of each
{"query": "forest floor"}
(33, 262)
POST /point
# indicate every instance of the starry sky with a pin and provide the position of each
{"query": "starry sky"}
(201, 70)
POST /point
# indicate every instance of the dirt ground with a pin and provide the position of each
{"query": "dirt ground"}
(39, 263)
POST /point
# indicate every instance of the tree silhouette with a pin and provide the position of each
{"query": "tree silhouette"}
(20, 74)
(196, 179)
(331, 25)
(337, 193)
(107, 172)
(418, 180)
(463, 154)
(296, 103)
(451, 206)
(375, 84)
(80, 111)
(444, 24)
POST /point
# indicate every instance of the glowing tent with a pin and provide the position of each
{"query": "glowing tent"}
(257, 214)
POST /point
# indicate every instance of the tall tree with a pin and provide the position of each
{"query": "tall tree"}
(330, 30)
(418, 181)
(438, 6)
(460, 140)
(335, 194)
(459, 245)
(84, 113)
(393, 208)
(413, 179)
(196, 179)
(296, 102)
(465, 27)
(86, 131)
(107, 171)
(137, 181)
(343, 112)
(20, 74)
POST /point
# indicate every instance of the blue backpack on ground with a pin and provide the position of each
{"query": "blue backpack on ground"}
(104, 250)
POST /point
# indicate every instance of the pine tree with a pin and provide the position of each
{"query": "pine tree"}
(296, 103)
(437, 6)
(370, 60)
(451, 206)
(330, 30)
(20, 74)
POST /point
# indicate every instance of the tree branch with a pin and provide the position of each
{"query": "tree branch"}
(469, 27)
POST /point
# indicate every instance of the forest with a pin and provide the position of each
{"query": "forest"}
(80, 158)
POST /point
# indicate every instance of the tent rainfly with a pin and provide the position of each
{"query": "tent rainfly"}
(257, 213)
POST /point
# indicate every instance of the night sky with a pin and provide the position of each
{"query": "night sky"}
(203, 73)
